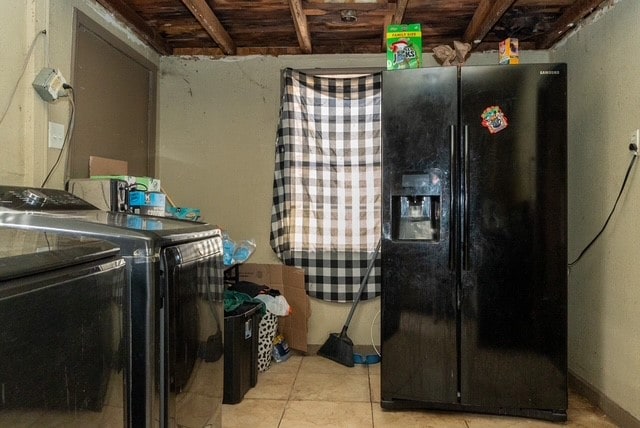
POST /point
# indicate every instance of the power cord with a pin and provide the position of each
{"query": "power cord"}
(67, 135)
(373, 343)
(24, 67)
(634, 150)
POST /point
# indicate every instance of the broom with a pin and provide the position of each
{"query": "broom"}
(339, 347)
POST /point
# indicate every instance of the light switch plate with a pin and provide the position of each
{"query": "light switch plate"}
(56, 135)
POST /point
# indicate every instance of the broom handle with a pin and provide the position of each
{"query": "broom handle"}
(362, 285)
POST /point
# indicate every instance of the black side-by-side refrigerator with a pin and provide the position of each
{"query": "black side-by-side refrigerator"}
(474, 264)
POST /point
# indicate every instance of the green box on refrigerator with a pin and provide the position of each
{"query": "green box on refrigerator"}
(404, 46)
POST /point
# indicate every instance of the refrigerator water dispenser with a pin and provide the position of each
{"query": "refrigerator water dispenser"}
(416, 213)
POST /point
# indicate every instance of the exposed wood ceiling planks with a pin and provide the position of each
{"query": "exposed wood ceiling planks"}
(571, 16)
(298, 27)
(487, 14)
(145, 31)
(210, 23)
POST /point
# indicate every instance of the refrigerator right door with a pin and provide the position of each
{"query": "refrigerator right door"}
(513, 335)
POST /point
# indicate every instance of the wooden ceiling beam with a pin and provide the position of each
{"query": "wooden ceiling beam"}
(138, 25)
(302, 28)
(487, 14)
(387, 21)
(567, 21)
(209, 21)
(319, 9)
(398, 16)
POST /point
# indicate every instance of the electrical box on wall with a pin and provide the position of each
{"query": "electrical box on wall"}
(50, 84)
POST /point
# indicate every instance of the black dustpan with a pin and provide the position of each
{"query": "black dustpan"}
(339, 347)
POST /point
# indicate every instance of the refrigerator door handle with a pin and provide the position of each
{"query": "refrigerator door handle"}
(452, 212)
(466, 217)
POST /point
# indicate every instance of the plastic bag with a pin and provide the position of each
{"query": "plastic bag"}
(236, 253)
(228, 247)
(243, 251)
(277, 305)
(280, 349)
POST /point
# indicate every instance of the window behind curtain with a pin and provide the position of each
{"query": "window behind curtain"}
(327, 182)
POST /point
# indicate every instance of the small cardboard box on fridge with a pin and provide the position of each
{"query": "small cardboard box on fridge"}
(291, 284)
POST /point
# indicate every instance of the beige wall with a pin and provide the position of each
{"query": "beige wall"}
(24, 156)
(604, 287)
(20, 22)
(217, 129)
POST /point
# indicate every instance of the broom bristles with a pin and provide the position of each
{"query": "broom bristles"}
(338, 348)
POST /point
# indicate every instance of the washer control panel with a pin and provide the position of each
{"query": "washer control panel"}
(35, 199)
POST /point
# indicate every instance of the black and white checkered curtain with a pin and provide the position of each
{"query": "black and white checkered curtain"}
(327, 182)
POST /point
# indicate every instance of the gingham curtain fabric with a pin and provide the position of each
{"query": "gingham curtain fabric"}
(327, 182)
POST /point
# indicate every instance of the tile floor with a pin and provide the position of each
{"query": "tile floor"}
(312, 391)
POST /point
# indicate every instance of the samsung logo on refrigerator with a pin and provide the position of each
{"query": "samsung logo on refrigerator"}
(550, 72)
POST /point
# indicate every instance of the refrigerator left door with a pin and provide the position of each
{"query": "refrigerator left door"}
(61, 331)
(419, 117)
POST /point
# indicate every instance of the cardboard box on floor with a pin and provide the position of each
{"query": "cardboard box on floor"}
(290, 282)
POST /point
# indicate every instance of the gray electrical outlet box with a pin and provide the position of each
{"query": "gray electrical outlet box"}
(49, 84)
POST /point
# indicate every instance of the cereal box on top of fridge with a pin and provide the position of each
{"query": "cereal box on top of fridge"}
(404, 46)
(508, 51)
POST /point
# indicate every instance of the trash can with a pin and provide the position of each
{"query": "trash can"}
(241, 351)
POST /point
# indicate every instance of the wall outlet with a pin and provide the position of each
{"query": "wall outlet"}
(56, 135)
(634, 142)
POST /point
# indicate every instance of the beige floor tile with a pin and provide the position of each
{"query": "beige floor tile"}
(195, 410)
(291, 365)
(374, 385)
(374, 369)
(415, 419)
(272, 385)
(108, 417)
(303, 414)
(589, 417)
(489, 421)
(331, 387)
(253, 413)
(323, 393)
(317, 364)
(582, 413)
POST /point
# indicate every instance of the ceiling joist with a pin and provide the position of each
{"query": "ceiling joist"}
(205, 16)
(396, 18)
(567, 21)
(487, 14)
(138, 25)
(401, 7)
(300, 22)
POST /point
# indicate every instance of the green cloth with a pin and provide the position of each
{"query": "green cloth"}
(233, 299)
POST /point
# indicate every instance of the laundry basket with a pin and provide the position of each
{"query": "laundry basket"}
(267, 332)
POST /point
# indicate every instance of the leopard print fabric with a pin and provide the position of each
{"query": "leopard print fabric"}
(267, 331)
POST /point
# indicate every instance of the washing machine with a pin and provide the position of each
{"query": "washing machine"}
(61, 330)
(174, 321)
